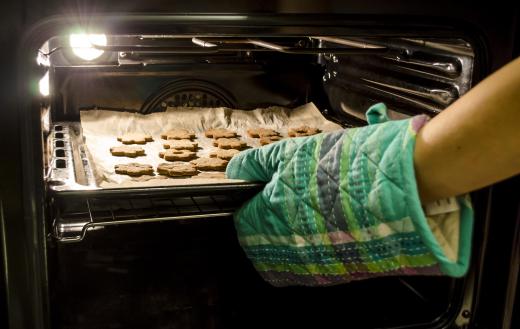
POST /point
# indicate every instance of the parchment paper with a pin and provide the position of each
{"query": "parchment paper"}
(101, 128)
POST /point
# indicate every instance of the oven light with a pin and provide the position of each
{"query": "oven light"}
(82, 45)
(44, 84)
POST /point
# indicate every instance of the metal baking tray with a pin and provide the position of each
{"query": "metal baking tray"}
(79, 206)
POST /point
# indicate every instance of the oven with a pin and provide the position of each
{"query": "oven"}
(80, 255)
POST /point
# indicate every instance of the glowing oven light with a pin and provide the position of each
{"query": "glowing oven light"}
(44, 84)
(82, 45)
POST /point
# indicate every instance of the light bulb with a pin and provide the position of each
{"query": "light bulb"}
(82, 45)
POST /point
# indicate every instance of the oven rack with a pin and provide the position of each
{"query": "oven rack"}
(76, 215)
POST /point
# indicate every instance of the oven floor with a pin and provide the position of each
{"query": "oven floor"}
(194, 275)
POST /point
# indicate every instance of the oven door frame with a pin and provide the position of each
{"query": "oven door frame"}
(23, 202)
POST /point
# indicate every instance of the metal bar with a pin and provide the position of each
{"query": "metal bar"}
(423, 105)
(295, 50)
(202, 43)
(447, 68)
(111, 211)
(89, 211)
(196, 204)
(133, 208)
(439, 96)
(267, 47)
(162, 190)
(350, 43)
(81, 236)
(175, 206)
(154, 207)
(464, 50)
(413, 290)
(216, 202)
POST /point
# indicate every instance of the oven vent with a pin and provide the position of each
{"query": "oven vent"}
(188, 93)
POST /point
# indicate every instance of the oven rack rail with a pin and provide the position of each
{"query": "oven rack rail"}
(77, 216)
(69, 167)
(182, 44)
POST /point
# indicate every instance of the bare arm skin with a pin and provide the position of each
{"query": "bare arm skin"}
(475, 142)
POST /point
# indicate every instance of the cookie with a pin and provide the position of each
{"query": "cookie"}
(215, 164)
(269, 139)
(229, 143)
(176, 169)
(224, 154)
(178, 134)
(177, 155)
(262, 132)
(134, 169)
(220, 133)
(135, 138)
(303, 131)
(127, 151)
(181, 144)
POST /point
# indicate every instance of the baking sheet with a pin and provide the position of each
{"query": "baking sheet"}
(101, 128)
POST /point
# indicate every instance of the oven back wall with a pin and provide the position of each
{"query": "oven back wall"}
(245, 86)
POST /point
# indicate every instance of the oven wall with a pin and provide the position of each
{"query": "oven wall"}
(3, 296)
(245, 86)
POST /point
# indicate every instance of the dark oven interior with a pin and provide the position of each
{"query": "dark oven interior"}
(177, 264)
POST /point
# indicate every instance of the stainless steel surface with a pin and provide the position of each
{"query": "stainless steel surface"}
(68, 161)
(441, 96)
(350, 43)
(71, 169)
(69, 165)
(449, 69)
(79, 231)
(416, 76)
(202, 43)
(188, 44)
(299, 49)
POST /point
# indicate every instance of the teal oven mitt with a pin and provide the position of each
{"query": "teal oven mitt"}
(344, 206)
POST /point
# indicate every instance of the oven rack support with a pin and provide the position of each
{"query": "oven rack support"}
(308, 45)
(74, 218)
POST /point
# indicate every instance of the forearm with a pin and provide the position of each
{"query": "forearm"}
(474, 142)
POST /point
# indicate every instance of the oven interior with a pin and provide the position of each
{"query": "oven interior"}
(169, 257)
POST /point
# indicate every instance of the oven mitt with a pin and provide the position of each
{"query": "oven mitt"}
(344, 206)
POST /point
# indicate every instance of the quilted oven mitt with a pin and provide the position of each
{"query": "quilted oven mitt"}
(344, 206)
